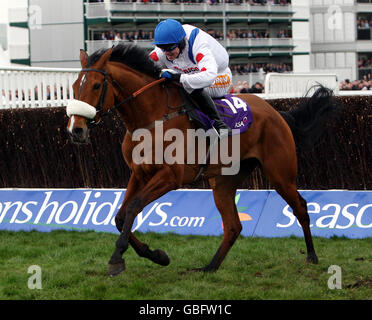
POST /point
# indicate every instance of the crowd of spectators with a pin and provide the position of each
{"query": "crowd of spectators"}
(270, 2)
(364, 84)
(129, 36)
(249, 34)
(364, 23)
(231, 34)
(244, 87)
(236, 69)
(365, 63)
(260, 67)
(251, 2)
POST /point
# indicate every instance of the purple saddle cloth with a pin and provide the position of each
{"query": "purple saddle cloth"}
(235, 112)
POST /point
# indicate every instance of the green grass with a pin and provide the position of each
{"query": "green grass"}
(74, 266)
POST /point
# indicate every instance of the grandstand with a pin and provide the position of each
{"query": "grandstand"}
(261, 36)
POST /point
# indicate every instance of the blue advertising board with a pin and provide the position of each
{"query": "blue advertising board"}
(332, 213)
(262, 213)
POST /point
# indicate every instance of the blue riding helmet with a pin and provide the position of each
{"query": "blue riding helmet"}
(169, 31)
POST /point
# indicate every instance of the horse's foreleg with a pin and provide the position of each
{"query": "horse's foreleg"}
(116, 263)
(142, 249)
(133, 189)
(162, 182)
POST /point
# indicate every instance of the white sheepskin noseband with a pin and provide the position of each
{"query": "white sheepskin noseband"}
(80, 108)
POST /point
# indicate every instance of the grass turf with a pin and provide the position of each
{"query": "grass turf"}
(74, 266)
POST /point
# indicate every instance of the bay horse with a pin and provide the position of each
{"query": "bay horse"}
(125, 79)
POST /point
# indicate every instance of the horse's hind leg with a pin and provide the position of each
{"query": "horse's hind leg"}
(283, 179)
(224, 197)
(311, 256)
(299, 207)
(224, 190)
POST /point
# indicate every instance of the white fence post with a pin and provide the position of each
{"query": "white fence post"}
(31, 87)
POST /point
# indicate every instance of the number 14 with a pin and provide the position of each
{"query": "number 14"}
(238, 104)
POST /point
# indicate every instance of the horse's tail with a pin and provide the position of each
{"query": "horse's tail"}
(309, 121)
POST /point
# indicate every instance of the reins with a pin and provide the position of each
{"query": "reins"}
(148, 86)
(136, 93)
(166, 117)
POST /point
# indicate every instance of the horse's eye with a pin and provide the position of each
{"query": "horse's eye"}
(96, 86)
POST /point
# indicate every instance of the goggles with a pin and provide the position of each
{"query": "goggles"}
(168, 47)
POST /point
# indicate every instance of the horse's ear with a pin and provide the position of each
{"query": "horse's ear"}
(105, 57)
(83, 58)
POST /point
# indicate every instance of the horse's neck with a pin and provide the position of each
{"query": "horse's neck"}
(144, 108)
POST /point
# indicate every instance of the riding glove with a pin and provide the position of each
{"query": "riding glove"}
(170, 74)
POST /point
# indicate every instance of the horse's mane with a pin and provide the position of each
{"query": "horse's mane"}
(131, 55)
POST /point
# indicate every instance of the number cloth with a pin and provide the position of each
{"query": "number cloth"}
(235, 112)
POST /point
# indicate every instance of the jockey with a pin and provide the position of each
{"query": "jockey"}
(196, 60)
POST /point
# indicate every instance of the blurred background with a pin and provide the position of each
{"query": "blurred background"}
(261, 36)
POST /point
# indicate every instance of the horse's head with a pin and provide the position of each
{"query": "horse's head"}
(93, 96)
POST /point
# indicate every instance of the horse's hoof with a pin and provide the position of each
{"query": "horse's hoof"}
(116, 269)
(160, 257)
(312, 258)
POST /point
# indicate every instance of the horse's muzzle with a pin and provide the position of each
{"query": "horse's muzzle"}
(79, 135)
(78, 112)
(78, 129)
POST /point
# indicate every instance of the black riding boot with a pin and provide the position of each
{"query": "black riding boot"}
(206, 105)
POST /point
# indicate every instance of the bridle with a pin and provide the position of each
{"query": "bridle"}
(99, 107)
(102, 98)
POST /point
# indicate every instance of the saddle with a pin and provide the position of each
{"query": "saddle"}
(234, 111)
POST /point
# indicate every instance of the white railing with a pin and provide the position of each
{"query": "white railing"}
(284, 85)
(36, 87)
(31, 87)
